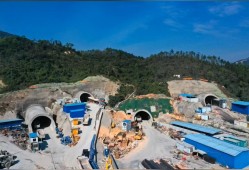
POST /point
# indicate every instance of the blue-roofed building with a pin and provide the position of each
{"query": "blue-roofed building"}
(10, 123)
(225, 153)
(33, 137)
(186, 95)
(241, 107)
(77, 113)
(73, 106)
(197, 128)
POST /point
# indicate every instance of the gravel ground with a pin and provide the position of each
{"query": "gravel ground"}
(155, 145)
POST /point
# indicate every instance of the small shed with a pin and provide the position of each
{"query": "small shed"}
(77, 113)
(33, 137)
(73, 106)
(241, 107)
(126, 125)
(188, 97)
(10, 123)
(185, 147)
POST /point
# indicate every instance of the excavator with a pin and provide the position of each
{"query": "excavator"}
(113, 125)
(138, 135)
(108, 163)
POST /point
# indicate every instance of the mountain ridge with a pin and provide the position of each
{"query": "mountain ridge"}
(26, 62)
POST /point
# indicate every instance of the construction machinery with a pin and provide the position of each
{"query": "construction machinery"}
(86, 119)
(66, 140)
(6, 159)
(34, 146)
(108, 163)
(138, 135)
(113, 125)
(75, 139)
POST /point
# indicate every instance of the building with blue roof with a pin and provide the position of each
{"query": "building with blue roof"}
(186, 95)
(225, 153)
(196, 127)
(9, 123)
(241, 107)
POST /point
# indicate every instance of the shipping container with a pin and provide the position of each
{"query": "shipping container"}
(79, 113)
(73, 106)
(204, 117)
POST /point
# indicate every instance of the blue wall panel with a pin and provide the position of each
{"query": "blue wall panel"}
(242, 160)
(73, 106)
(79, 113)
(220, 157)
(240, 109)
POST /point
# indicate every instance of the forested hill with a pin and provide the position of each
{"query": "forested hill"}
(5, 34)
(244, 61)
(24, 62)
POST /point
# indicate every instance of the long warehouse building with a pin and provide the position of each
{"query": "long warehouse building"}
(225, 153)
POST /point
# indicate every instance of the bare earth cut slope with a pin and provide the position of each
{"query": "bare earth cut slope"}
(45, 94)
(195, 87)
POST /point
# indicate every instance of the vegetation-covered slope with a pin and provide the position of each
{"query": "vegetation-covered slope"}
(24, 62)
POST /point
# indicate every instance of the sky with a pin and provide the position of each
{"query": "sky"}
(140, 27)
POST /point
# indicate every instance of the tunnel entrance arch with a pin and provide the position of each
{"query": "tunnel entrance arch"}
(37, 118)
(207, 98)
(144, 114)
(40, 122)
(83, 96)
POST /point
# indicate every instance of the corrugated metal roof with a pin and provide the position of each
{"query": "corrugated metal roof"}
(217, 144)
(10, 120)
(235, 137)
(243, 103)
(75, 104)
(186, 95)
(196, 127)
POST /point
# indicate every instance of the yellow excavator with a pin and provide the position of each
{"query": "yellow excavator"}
(138, 135)
(113, 125)
(108, 163)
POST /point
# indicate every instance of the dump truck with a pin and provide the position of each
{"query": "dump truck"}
(6, 159)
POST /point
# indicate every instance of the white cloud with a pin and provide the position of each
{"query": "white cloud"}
(206, 28)
(244, 23)
(172, 23)
(226, 9)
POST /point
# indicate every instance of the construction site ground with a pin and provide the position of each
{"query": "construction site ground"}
(55, 155)
(177, 87)
(156, 146)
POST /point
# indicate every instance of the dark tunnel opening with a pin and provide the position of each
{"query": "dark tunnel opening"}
(40, 122)
(84, 97)
(144, 115)
(210, 100)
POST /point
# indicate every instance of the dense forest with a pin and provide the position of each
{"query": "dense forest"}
(25, 62)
